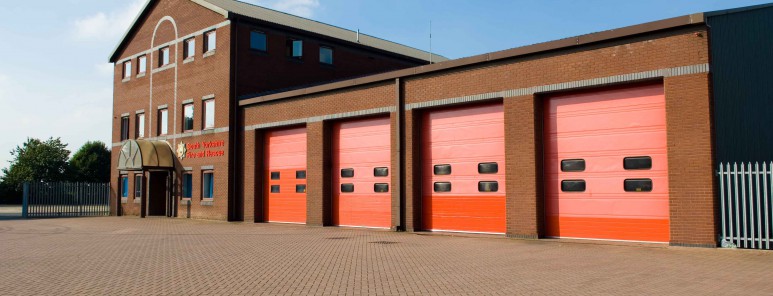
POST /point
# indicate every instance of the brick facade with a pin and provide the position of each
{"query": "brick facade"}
(520, 82)
(690, 176)
(217, 75)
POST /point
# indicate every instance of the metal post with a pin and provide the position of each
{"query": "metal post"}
(26, 200)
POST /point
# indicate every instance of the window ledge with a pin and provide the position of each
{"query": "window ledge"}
(164, 67)
(124, 200)
(188, 60)
(137, 200)
(207, 202)
(210, 53)
(209, 130)
(126, 79)
(295, 60)
(141, 75)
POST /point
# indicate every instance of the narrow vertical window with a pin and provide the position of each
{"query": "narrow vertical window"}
(127, 69)
(140, 125)
(326, 55)
(137, 186)
(187, 117)
(124, 186)
(257, 41)
(209, 114)
(124, 128)
(210, 41)
(163, 56)
(208, 180)
(142, 66)
(187, 185)
(163, 122)
(295, 48)
(189, 48)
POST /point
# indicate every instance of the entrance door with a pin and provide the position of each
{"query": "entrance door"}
(157, 194)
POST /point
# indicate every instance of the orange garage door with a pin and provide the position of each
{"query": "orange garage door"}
(606, 165)
(285, 189)
(361, 173)
(464, 170)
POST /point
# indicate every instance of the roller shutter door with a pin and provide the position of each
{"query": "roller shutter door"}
(285, 176)
(464, 170)
(606, 165)
(361, 173)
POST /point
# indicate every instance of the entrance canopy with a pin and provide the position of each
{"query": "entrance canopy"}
(137, 155)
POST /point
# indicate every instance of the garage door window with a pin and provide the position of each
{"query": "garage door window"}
(573, 185)
(348, 188)
(347, 173)
(637, 163)
(442, 169)
(638, 185)
(381, 187)
(442, 186)
(488, 168)
(275, 175)
(300, 188)
(488, 186)
(573, 165)
(274, 188)
(300, 175)
(381, 172)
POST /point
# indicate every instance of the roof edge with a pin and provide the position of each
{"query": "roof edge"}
(608, 35)
(144, 11)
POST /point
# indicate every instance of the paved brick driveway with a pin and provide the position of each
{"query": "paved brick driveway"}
(177, 257)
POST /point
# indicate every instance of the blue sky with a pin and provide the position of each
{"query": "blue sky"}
(55, 79)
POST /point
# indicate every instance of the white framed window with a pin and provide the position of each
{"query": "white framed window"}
(137, 186)
(187, 117)
(124, 128)
(326, 55)
(163, 122)
(210, 41)
(124, 186)
(208, 184)
(295, 48)
(142, 64)
(209, 114)
(190, 48)
(163, 56)
(127, 69)
(140, 125)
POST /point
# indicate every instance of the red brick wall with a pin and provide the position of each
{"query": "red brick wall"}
(195, 79)
(690, 162)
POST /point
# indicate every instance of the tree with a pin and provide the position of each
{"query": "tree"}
(91, 163)
(36, 160)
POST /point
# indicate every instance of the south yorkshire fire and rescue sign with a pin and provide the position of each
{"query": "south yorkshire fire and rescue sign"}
(189, 150)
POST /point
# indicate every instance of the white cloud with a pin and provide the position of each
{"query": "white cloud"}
(107, 25)
(303, 8)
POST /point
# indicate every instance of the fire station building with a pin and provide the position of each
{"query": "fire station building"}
(228, 111)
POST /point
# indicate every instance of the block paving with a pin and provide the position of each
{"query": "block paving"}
(160, 256)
